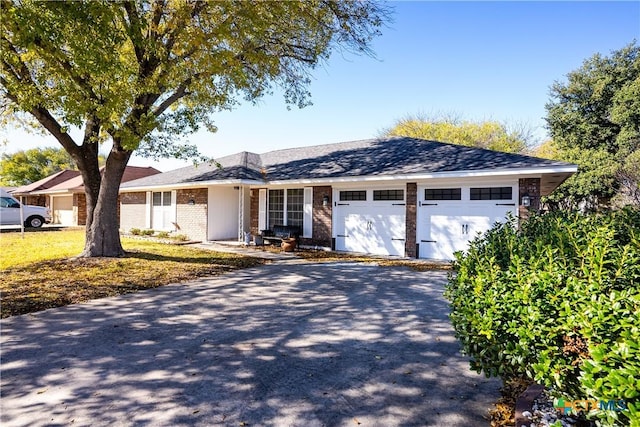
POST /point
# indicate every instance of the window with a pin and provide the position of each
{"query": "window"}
(388, 195)
(162, 199)
(346, 196)
(295, 206)
(276, 208)
(443, 194)
(491, 193)
(8, 202)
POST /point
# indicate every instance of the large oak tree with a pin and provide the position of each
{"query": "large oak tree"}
(138, 74)
(594, 119)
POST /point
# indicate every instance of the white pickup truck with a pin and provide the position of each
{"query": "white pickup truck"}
(34, 216)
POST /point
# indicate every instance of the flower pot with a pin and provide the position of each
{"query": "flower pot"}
(288, 245)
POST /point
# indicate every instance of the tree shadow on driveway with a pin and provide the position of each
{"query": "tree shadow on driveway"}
(293, 343)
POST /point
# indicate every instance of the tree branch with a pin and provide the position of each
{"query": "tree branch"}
(180, 92)
(50, 123)
(133, 29)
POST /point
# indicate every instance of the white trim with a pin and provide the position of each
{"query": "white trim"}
(149, 204)
(416, 177)
(190, 184)
(174, 206)
(367, 178)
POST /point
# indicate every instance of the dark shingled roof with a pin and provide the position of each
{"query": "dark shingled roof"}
(381, 157)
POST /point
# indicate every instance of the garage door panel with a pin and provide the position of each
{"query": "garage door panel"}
(63, 210)
(370, 228)
(443, 230)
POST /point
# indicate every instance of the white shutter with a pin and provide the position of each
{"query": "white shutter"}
(262, 209)
(307, 219)
(147, 219)
(174, 210)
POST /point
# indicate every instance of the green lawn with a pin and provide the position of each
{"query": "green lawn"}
(39, 271)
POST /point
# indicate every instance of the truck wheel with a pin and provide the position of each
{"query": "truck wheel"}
(34, 222)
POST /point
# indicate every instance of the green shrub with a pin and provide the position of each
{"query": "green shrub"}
(558, 302)
(181, 238)
(148, 232)
(162, 234)
(135, 231)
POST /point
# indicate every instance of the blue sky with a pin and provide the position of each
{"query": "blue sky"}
(480, 60)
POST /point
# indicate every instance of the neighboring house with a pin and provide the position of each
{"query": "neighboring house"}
(392, 196)
(63, 193)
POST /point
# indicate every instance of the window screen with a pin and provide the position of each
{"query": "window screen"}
(443, 194)
(166, 198)
(388, 195)
(491, 193)
(276, 208)
(346, 196)
(295, 206)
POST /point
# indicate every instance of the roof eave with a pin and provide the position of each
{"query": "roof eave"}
(190, 184)
(424, 176)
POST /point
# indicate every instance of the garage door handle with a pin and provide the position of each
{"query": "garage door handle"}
(428, 241)
(342, 235)
(398, 239)
(505, 204)
(398, 204)
(428, 204)
(342, 204)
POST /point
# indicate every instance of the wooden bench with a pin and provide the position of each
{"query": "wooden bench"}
(281, 232)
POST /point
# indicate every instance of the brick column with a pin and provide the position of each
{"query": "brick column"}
(80, 202)
(254, 206)
(530, 187)
(411, 219)
(322, 216)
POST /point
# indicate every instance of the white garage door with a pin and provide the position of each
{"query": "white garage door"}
(447, 226)
(63, 210)
(371, 226)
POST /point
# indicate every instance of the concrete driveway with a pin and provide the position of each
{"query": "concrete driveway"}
(287, 344)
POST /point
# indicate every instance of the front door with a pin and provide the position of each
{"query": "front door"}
(162, 214)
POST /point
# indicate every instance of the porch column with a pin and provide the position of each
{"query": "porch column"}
(240, 213)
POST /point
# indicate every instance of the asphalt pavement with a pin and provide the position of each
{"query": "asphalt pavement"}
(291, 343)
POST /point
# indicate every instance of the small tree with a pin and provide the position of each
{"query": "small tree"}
(27, 166)
(450, 128)
(140, 73)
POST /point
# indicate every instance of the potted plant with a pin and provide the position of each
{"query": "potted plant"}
(288, 245)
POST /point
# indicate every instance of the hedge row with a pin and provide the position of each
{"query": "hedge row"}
(556, 301)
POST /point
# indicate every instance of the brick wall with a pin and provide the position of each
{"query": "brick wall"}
(321, 217)
(531, 187)
(39, 200)
(80, 206)
(254, 206)
(191, 219)
(133, 211)
(411, 218)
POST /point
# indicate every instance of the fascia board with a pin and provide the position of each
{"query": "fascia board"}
(417, 177)
(202, 184)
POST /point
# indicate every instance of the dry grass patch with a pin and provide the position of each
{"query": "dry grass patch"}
(417, 265)
(47, 283)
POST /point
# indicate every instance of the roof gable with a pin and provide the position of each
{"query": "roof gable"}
(47, 182)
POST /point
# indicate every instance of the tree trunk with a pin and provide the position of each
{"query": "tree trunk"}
(103, 234)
